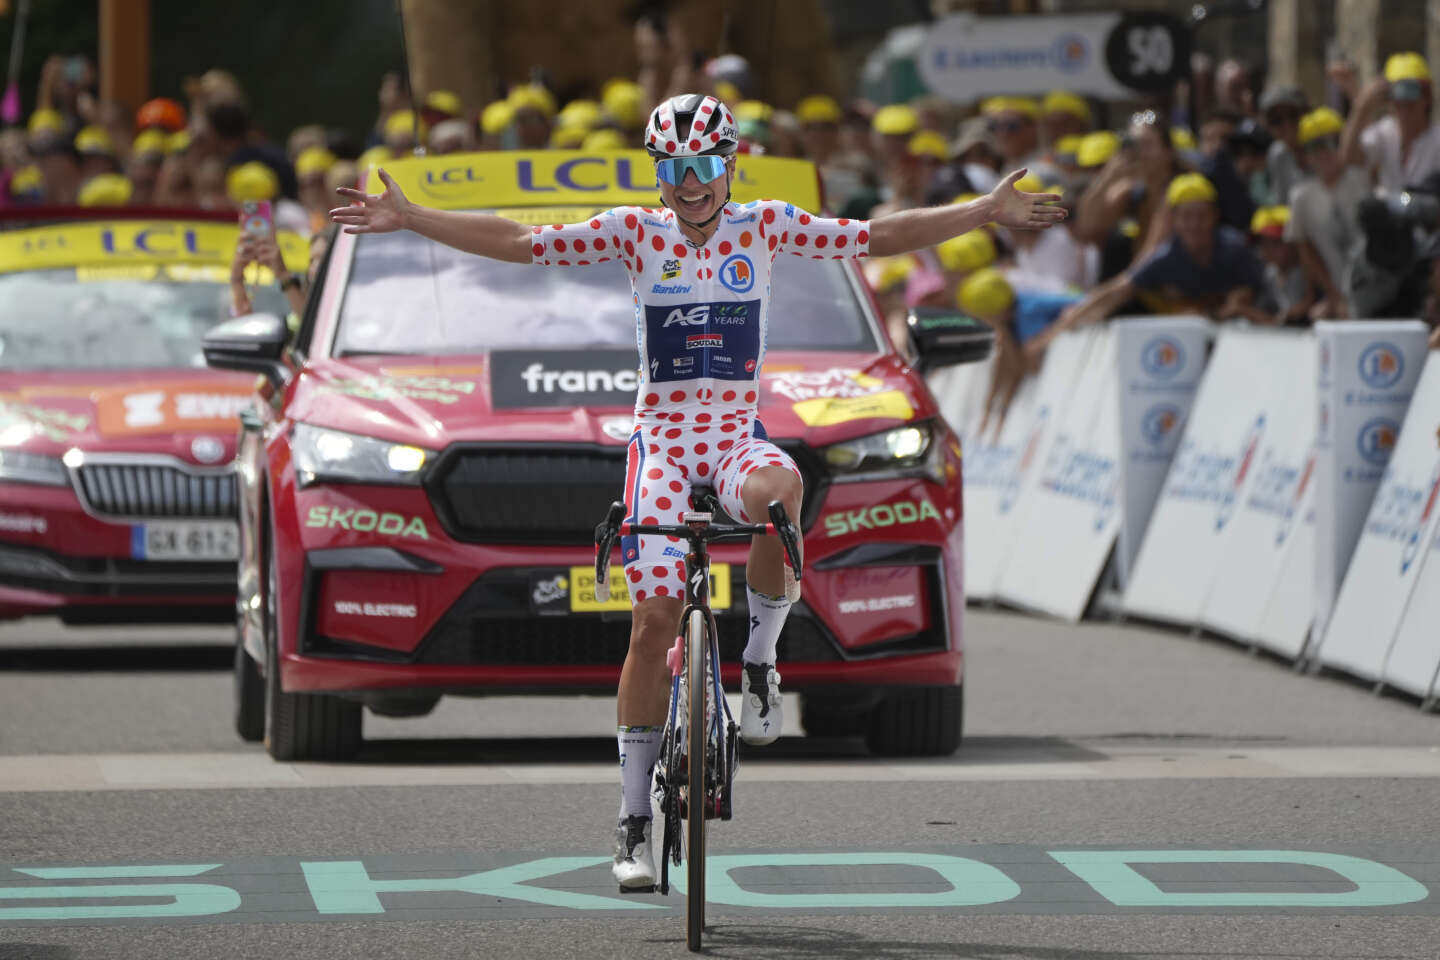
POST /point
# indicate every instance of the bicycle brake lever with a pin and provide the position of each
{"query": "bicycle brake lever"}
(604, 541)
(787, 533)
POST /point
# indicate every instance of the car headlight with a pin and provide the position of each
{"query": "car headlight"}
(21, 467)
(908, 451)
(322, 455)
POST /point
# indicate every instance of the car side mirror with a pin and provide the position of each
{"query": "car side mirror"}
(942, 337)
(253, 343)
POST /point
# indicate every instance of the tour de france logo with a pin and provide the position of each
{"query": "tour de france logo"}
(738, 273)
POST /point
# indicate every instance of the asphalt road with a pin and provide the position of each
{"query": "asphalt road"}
(1123, 792)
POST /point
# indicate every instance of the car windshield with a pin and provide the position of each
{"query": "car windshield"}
(410, 295)
(70, 319)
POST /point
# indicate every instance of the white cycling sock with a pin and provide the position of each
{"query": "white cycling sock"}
(767, 616)
(639, 746)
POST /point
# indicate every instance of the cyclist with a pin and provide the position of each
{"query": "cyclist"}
(700, 268)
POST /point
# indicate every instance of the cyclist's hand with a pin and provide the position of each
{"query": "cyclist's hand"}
(372, 213)
(1025, 211)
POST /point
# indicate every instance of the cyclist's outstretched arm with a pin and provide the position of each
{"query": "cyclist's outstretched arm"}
(927, 226)
(479, 233)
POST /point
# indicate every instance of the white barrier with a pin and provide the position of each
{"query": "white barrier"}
(1414, 658)
(1070, 516)
(1368, 371)
(1385, 565)
(1185, 542)
(1268, 527)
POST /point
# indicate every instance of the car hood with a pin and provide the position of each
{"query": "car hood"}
(140, 411)
(818, 397)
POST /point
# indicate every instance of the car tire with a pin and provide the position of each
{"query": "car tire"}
(925, 721)
(302, 726)
(249, 696)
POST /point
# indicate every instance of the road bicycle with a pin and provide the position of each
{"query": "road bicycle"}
(698, 723)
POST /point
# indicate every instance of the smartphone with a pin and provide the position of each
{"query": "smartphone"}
(256, 219)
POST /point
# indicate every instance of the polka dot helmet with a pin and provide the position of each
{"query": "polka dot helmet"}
(691, 125)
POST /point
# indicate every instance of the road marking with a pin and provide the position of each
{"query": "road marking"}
(231, 771)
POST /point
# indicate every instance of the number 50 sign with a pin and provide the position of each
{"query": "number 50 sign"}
(1108, 55)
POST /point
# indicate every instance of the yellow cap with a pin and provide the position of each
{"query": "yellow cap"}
(1181, 138)
(28, 179)
(567, 138)
(313, 160)
(993, 105)
(818, 109)
(94, 140)
(756, 110)
(603, 139)
(968, 252)
(401, 123)
(1320, 122)
(178, 142)
(1097, 148)
(373, 157)
(928, 143)
(530, 96)
(443, 101)
(1062, 101)
(1406, 66)
(895, 120)
(46, 120)
(728, 92)
(150, 140)
(496, 117)
(1069, 145)
(1270, 221)
(1190, 188)
(579, 113)
(253, 181)
(985, 293)
(105, 190)
(887, 273)
(622, 100)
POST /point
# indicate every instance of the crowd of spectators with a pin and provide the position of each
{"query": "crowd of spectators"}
(1273, 209)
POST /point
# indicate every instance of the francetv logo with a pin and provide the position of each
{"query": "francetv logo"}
(563, 378)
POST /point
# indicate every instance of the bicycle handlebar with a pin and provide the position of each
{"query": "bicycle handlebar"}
(697, 530)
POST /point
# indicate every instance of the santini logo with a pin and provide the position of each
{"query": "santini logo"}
(539, 380)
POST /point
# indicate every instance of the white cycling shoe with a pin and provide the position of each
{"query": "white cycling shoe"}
(760, 712)
(634, 866)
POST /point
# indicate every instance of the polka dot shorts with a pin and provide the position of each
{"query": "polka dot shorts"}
(662, 463)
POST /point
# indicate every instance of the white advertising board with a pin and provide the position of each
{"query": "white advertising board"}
(1000, 466)
(1263, 531)
(1415, 655)
(1211, 475)
(1108, 55)
(1160, 361)
(1071, 512)
(1368, 370)
(1387, 558)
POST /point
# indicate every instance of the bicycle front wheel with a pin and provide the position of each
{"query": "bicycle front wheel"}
(698, 776)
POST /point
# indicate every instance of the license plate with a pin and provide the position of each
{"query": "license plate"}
(185, 540)
(549, 591)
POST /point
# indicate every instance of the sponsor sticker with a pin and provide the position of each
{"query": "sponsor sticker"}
(879, 516)
(201, 406)
(562, 378)
(671, 289)
(890, 405)
(670, 269)
(22, 523)
(387, 387)
(799, 385)
(737, 273)
(1162, 357)
(874, 604)
(704, 341)
(355, 608)
(366, 521)
(582, 590)
(20, 421)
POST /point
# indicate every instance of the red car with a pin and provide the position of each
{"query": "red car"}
(118, 493)
(418, 507)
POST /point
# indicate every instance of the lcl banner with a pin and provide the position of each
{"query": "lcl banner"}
(1368, 371)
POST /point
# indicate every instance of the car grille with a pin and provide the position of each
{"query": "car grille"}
(155, 490)
(551, 494)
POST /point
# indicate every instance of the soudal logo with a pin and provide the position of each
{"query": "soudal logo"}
(1381, 365)
(1412, 542)
(1376, 440)
(1162, 357)
(704, 341)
